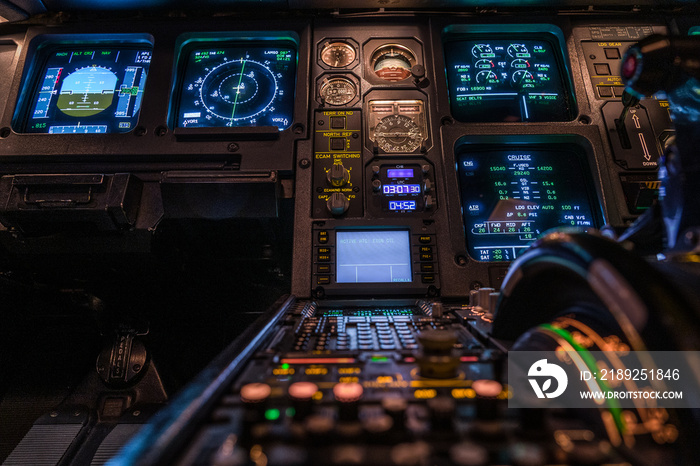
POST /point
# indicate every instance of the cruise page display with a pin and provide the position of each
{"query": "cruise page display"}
(88, 89)
(510, 197)
(238, 85)
(505, 80)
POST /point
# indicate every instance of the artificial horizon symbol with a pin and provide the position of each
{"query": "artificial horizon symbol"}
(542, 368)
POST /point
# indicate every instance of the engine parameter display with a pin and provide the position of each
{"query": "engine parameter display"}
(88, 89)
(506, 80)
(510, 197)
(238, 85)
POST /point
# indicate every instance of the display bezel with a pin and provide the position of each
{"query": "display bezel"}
(405, 249)
(542, 32)
(573, 150)
(187, 43)
(40, 50)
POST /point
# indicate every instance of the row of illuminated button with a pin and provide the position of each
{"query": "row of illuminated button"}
(323, 254)
(427, 258)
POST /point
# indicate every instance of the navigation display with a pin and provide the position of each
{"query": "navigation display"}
(492, 79)
(373, 256)
(510, 197)
(238, 85)
(88, 89)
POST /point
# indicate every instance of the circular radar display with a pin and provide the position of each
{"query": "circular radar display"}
(398, 133)
(236, 92)
(254, 89)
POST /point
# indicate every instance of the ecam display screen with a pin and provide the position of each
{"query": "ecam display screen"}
(495, 79)
(510, 197)
(401, 189)
(88, 89)
(373, 257)
(238, 85)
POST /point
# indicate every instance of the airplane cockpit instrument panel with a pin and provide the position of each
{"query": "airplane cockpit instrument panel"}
(232, 84)
(84, 86)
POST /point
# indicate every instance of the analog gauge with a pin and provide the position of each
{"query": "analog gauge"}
(519, 63)
(483, 64)
(486, 77)
(393, 62)
(338, 54)
(482, 51)
(398, 133)
(337, 91)
(518, 51)
(522, 79)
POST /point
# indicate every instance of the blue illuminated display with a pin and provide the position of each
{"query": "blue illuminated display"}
(402, 205)
(401, 189)
(238, 85)
(399, 173)
(88, 89)
(373, 256)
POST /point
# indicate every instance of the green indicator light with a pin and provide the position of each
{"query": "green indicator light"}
(285, 366)
(290, 412)
(380, 359)
(272, 414)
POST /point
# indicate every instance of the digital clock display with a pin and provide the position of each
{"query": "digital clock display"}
(401, 189)
(402, 205)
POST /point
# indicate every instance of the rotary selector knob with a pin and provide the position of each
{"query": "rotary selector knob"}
(338, 175)
(338, 204)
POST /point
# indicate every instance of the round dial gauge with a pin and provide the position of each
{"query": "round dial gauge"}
(397, 133)
(522, 79)
(486, 77)
(518, 50)
(337, 91)
(338, 54)
(238, 91)
(393, 62)
(482, 51)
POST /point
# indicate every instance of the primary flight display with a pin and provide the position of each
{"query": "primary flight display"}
(87, 89)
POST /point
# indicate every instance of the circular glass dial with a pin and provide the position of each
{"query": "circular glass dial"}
(397, 133)
(338, 54)
(338, 91)
(238, 91)
(393, 62)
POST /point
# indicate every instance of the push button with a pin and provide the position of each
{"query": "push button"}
(602, 69)
(428, 278)
(323, 268)
(426, 267)
(612, 53)
(338, 122)
(324, 258)
(425, 239)
(618, 91)
(324, 250)
(337, 143)
(426, 249)
(605, 91)
(425, 257)
(323, 280)
(323, 237)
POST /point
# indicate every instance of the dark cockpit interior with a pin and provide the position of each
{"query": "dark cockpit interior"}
(390, 232)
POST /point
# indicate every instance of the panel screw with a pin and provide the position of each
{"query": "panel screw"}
(233, 147)
(304, 163)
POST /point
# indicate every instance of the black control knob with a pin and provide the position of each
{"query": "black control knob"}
(338, 175)
(337, 204)
(376, 186)
(348, 394)
(438, 359)
(395, 407)
(487, 392)
(441, 413)
(427, 186)
(302, 394)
